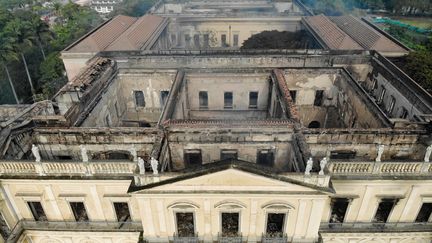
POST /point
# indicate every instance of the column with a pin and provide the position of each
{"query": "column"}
(56, 215)
(315, 219)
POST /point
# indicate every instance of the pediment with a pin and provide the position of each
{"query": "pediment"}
(231, 180)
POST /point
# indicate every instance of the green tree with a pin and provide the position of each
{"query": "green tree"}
(135, 8)
(24, 36)
(6, 54)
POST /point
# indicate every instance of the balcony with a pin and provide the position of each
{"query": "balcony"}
(230, 238)
(89, 226)
(274, 238)
(185, 239)
(375, 227)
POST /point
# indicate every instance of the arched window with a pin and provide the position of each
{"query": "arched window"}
(314, 124)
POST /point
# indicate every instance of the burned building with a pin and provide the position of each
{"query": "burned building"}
(156, 140)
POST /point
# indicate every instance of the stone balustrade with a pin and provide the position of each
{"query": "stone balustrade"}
(379, 168)
(67, 168)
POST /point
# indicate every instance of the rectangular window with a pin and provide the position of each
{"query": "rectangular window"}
(392, 105)
(319, 95)
(265, 157)
(139, 99)
(79, 211)
(425, 213)
(192, 157)
(293, 94)
(108, 120)
(164, 97)
(203, 100)
(384, 209)
(236, 40)
(206, 40)
(253, 100)
(187, 40)
(117, 109)
(343, 154)
(37, 211)
(197, 41)
(275, 223)
(404, 113)
(174, 39)
(122, 211)
(230, 224)
(339, 207)
(185, 224)
(228, 100)
(382, 94)
(224, 40)
(228, 154)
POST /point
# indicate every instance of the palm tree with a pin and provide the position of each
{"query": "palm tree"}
(24, 37)
(7, 53)
(42, 33)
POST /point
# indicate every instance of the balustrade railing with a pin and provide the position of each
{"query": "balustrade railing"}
(274, 238)
(67, 168)
(185, 239)
(379, 168)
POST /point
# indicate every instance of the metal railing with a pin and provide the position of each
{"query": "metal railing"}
(185, 239)
(230, 238)
(90, 226)
(374, 226)
(274, 238)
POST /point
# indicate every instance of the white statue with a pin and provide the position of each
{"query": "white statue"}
(134, 154)
(323, 164)
(84, 155)
(309, 165)
(141, 166)
(428, 153)
(380, 152)
(154, 164)
(35, 151)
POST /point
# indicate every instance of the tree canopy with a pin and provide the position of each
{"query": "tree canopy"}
(278, 40)
(31, 44)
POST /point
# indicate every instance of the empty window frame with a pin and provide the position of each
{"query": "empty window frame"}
(382, 94)
(265, 157)
(206, 40)
(185, 224)
(122, 211)
(404, 113)
(37, 211)
(139, 98)
(339, 208)
(108, 120)
(293, 94)
(236, 40)
(424, 214)
(197, 41)
(117, 109)
(224, 40)
(228, 100)
(203, 100)
(228, 154)
(164, 97)
(79, 211)
(4, 228)
(192, 157)
(187, 40)
(343, 154)
(230, 224)
(384, 209)
(392, 104)
(275, 223)
(319, 95)
(174, 39)
(253, 99)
